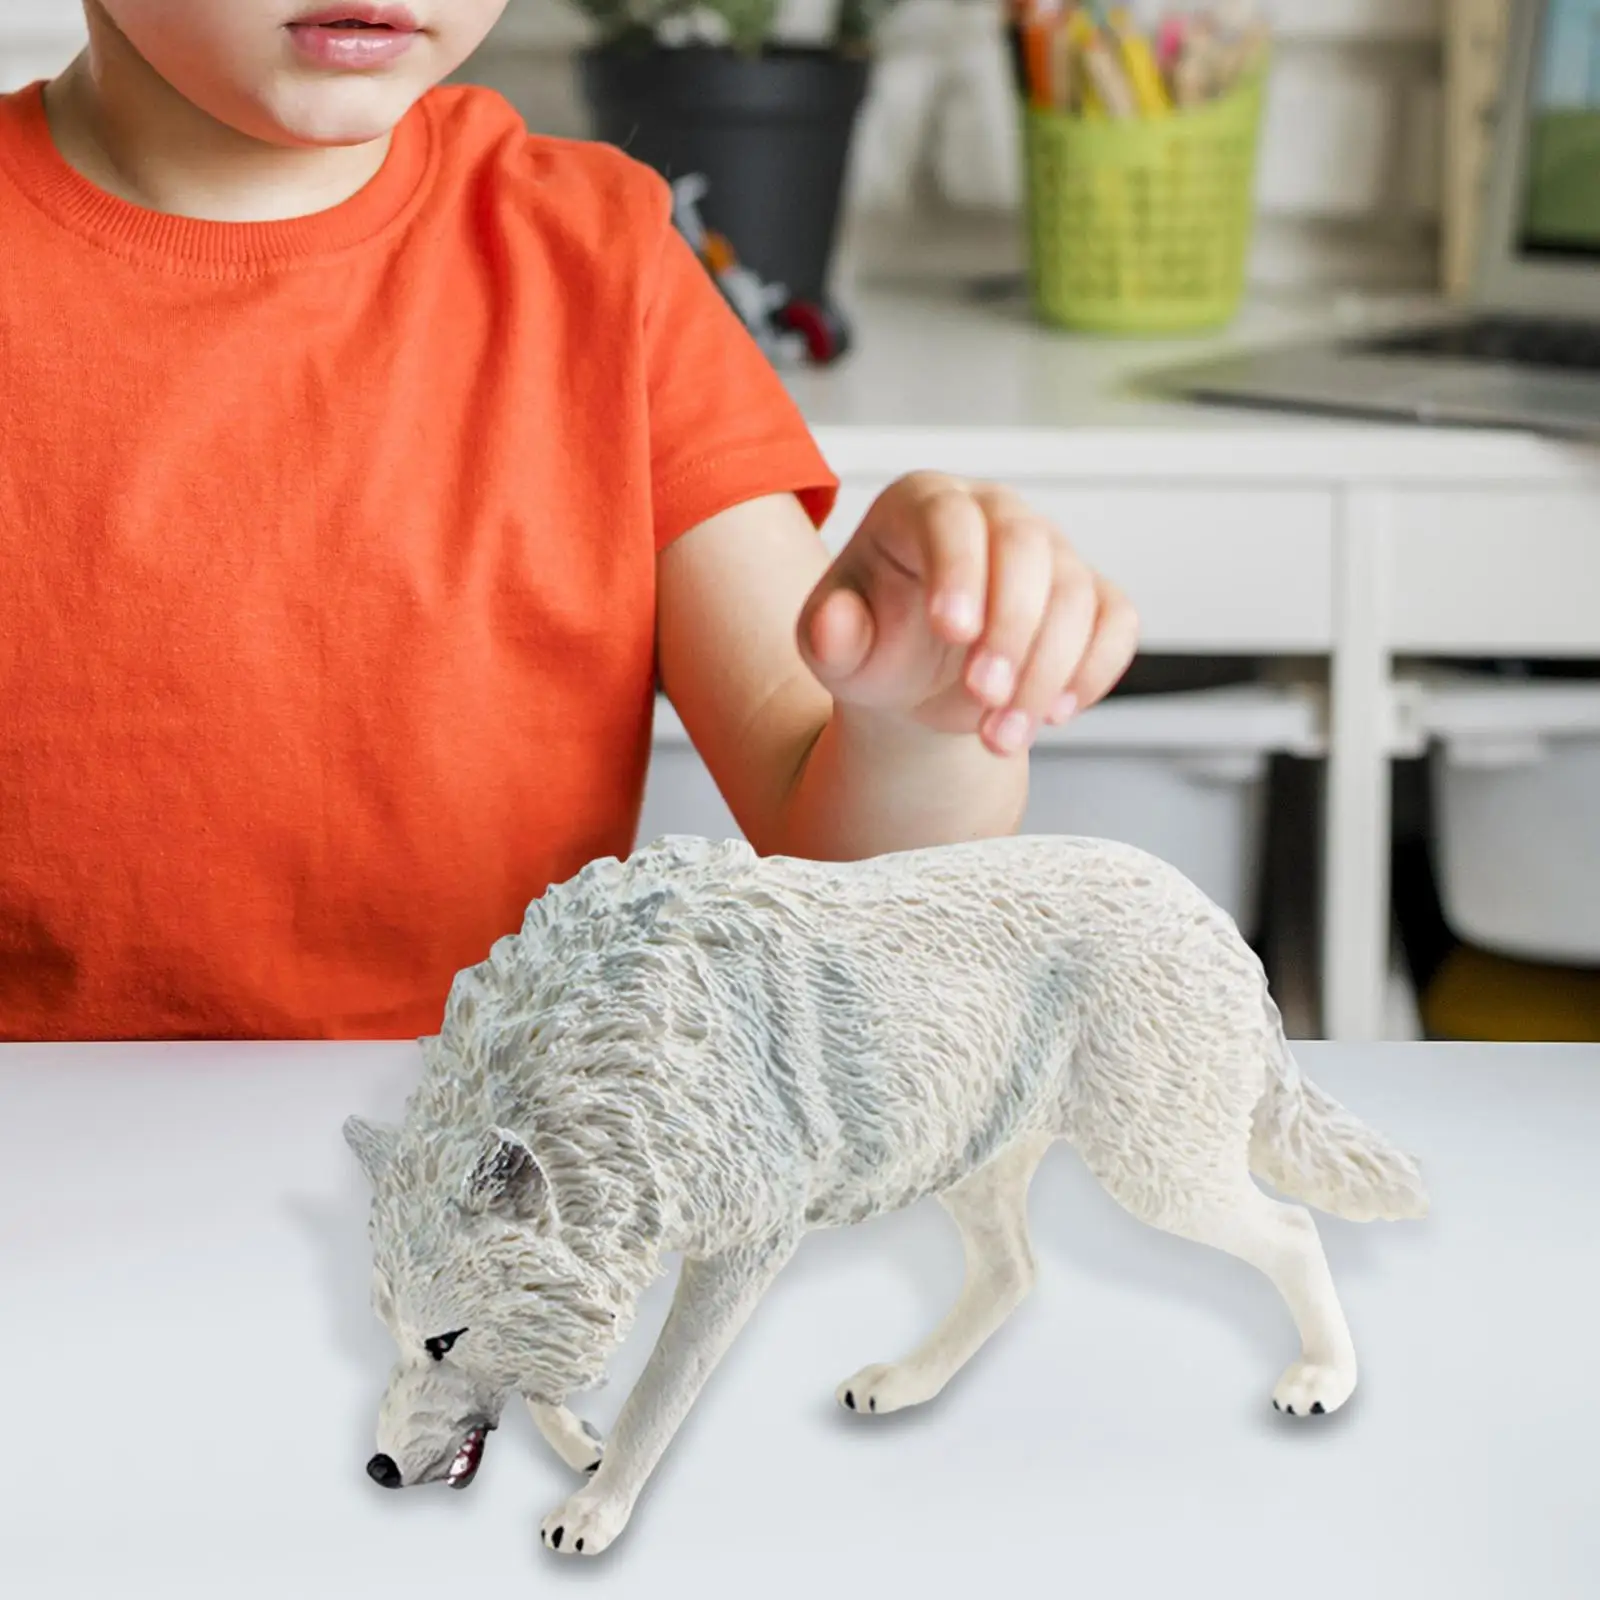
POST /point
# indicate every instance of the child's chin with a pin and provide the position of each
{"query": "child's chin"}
(340, 114)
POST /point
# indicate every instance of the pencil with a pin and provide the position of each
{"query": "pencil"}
(1036, 46)
(1144, 77)
(1110, 83)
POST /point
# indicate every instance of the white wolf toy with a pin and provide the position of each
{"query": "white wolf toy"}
(698, 1050)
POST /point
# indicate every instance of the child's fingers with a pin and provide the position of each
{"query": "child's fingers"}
(1112, 648)
(1057, 653)
(1022, 561)
(954, 538)
(1044, 636)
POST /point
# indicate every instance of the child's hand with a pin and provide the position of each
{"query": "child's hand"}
(958, 607)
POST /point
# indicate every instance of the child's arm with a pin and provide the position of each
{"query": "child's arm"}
(756, 628)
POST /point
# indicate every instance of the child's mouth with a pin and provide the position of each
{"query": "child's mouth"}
(354, 35)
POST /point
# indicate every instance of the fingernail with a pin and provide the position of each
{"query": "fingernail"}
(1012, 730)
(991, 679)
(1063, 708)
(960, 611)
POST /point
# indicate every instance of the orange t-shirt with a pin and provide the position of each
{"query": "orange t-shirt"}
(327, 569)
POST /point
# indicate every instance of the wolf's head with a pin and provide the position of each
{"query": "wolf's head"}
(483, 1296)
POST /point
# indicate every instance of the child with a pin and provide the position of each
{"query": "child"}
(366, 461)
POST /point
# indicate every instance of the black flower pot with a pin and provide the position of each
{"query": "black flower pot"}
(770, 133)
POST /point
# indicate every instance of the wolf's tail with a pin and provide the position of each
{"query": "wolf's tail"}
(1306, 1145)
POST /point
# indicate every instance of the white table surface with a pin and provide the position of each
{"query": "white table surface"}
(939, 378)
(193, 1370)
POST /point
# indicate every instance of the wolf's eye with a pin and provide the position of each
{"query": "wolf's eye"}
(441, 1345)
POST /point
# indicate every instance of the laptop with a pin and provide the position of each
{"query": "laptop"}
(1524, 351)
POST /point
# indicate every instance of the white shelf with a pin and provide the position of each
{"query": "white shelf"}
(984, 390)
(1287, 718)
(1468, 711)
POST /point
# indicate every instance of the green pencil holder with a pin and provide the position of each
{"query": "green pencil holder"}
(1143, 226)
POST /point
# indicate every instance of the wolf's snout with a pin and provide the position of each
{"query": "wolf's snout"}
(383, 1471)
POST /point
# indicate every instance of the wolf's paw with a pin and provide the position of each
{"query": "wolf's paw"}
(885, 1388)
(1311, 1389)
(586, 1524)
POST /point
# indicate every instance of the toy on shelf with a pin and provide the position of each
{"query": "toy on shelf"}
(703, 1051)
(792, 332)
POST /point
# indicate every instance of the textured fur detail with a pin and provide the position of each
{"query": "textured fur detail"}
(1305, 1144)
(701, 1051)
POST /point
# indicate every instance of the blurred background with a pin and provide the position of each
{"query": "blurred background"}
(974, 235)
(1351, 180)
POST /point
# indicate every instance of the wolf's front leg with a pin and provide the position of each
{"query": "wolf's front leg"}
(575, 1441)
(713, 1301)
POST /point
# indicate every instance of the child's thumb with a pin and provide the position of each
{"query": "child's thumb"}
(836, 636)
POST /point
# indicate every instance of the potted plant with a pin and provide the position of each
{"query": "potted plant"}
(718, 88)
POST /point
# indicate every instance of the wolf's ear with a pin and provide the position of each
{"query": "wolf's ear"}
(373, 1145)
(507, 1180)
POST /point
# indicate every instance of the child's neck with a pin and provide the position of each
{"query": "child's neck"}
(126, 130)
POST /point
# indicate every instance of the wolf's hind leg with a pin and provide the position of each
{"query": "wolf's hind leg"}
(991, 1210)
(1167, 1131)
(575, 1441)
(1280, 1240)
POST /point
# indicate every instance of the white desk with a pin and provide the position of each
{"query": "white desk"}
(1243, 533)
(192, 1370)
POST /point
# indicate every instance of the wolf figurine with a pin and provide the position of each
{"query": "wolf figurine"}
(705, 1052)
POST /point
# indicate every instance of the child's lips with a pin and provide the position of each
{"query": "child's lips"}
(354, 36)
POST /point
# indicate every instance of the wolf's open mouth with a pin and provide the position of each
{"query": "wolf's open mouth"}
(468, 1459)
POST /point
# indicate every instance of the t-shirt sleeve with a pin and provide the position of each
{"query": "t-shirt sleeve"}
(723, 427)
